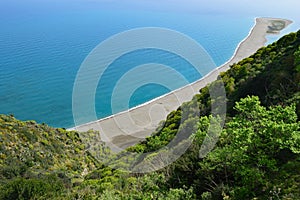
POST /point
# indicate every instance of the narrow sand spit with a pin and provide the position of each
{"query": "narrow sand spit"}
(127, 128)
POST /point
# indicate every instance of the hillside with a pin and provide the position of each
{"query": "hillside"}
(257, 155)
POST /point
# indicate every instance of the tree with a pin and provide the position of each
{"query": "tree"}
(247, 155)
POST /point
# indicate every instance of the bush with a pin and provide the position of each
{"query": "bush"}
(21, 188)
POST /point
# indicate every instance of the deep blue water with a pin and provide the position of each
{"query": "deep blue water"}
(42, 48)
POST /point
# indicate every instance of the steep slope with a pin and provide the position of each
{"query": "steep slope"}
(272, 74)
(256, 157)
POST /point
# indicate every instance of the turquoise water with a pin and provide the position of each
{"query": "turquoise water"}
(42, 48)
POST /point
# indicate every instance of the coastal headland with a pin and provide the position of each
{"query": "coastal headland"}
(129, 127)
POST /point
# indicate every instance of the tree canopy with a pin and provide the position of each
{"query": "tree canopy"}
(255, 157)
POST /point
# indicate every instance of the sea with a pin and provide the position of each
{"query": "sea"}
(43, 45)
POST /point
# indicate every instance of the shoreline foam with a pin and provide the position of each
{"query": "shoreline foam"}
(120, 131)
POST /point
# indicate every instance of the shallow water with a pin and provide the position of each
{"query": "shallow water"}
(42, 50)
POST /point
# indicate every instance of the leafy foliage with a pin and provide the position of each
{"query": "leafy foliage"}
(256, 157)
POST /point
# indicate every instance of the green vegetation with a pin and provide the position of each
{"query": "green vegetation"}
(257, 155)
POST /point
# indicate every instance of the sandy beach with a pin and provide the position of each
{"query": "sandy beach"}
(127, 128)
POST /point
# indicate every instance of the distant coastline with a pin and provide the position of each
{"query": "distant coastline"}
(120, 131)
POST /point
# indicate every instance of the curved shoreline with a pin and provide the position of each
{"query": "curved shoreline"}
(162, 96)
(123, 131)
